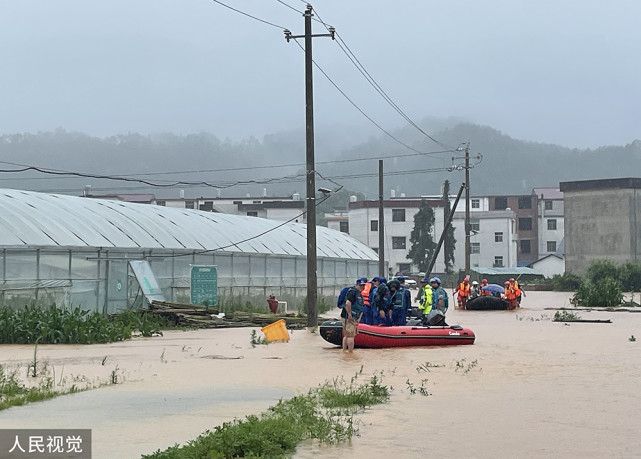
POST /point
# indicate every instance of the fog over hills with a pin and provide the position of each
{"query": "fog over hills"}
(275, 164)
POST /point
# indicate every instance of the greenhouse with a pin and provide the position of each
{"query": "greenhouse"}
(107, 256)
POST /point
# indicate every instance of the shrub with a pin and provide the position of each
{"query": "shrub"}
(566, 282)
(607, 292)
(630, 276)
(600, 269)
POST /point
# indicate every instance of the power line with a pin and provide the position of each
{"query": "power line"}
(358, 108)
(235, 244)
(152, 184)
(361, 68)
(231, 169)
(248, 15)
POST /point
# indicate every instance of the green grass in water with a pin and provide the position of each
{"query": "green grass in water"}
(325, 413)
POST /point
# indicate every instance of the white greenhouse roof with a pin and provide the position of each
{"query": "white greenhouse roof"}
(48, 220)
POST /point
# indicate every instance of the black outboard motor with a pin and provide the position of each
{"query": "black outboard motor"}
(435, 318)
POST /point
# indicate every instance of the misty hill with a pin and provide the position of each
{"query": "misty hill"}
(276, 163)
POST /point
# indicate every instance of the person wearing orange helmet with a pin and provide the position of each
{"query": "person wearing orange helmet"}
(462, 292)
(517, 290)
(484, 284)
(510, 296)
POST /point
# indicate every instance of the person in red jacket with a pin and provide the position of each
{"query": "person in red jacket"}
(273, 303)
(463, 292)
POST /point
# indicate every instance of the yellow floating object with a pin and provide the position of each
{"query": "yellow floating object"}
(276, 331)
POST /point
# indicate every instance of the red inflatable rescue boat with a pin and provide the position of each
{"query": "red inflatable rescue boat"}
(374, 336)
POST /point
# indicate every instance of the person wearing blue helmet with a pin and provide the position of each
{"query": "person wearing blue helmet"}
(440, 301)
(381, 303)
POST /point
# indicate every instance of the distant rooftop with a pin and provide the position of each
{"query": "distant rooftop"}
(548, 193)
(601, 184)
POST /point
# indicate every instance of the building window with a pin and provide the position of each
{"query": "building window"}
(498, 261)
(252, 214)
(526, 246)
(552, 223)
(551, 246)
(475, 247)
(475, 225)
(161, 203)
(500, 203)
(398, 215)
(498, 237)
(189, 204)
(373, 225)
(398, 242)
(256, 202)
(525, 202)
(344, 228)
(548, 204)
(237, 202)
(404, 268)
(476, 203)
(525, 224)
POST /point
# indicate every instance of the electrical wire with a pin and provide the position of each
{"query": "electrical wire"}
(361, 68)
(249, 15)
(358, 108)
(235, 244)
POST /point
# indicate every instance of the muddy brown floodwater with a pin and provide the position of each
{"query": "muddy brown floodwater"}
(528, 387)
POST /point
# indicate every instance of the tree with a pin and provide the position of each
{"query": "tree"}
(449, 243)
(423, 245)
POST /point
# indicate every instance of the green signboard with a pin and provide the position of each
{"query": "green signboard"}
(204, 285)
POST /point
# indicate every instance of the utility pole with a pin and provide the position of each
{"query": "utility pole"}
(381, 222)
(444, 233)
(467, 209)
(467, 203)
(312, 281)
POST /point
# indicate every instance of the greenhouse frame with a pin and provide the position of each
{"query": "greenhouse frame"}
(81, 252)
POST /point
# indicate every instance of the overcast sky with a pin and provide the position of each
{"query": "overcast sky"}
(554, 71)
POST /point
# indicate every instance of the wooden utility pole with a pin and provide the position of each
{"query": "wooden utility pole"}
(312, 280)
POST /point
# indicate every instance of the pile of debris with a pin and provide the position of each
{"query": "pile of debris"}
(196, 316)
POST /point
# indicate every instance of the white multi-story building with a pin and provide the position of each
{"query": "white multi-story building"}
(493, 240)
(551, 220)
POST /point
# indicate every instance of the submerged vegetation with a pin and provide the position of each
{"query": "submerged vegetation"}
(602, 285)
(53, 325)
(14, 393)
(565, 316)
(325, 413)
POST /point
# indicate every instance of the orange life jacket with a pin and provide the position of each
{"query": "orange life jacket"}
(510, 294)
(463, 289)
(365, 293)
(484, 292)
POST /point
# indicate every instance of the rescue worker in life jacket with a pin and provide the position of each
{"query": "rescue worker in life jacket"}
(517, 289)
(484, 284)
(510, 296)
(367, 309)
(462, 292)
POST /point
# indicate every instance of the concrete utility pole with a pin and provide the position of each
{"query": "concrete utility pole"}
(381, 222)
(467, 203)
(467, 209)
(312, 281)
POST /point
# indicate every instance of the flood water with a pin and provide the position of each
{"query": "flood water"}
(527, 387)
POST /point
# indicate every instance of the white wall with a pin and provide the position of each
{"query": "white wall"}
(550, 266)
